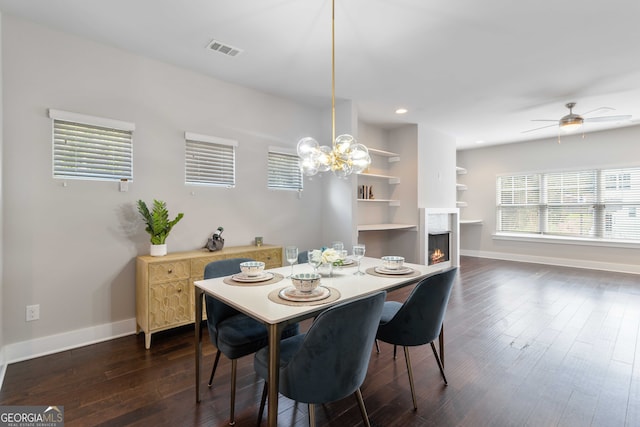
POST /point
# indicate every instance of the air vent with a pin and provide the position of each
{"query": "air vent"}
(224, 48)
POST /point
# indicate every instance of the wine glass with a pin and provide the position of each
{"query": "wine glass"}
(315, 259)
(338, 246)
(291, 253)
(358, 253)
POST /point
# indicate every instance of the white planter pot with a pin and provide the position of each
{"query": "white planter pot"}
(158, 250)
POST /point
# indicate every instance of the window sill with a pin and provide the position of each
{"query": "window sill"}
(564, 240)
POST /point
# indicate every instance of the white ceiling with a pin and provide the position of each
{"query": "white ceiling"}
(476, 70)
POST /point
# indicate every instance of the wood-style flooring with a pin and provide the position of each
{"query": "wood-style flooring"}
(526, 345)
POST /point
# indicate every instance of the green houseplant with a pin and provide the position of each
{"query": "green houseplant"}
(158, 224)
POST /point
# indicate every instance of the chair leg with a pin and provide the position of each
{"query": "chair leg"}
(263, 400)
(234, 368)
(215, 365)
(363, 410)
(312, 415)
(395, 351)
(413, 392)
(435, 353)
(377, 347)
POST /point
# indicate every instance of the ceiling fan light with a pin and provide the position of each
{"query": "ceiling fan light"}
(571, 123)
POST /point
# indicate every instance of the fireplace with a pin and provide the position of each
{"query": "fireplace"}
(438, 247)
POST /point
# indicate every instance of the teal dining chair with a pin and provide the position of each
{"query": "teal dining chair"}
(330, 361)
(232, 333)
(418, 320)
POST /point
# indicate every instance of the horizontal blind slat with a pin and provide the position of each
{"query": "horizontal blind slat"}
(284, 171)
(209, 163)
(88, 151)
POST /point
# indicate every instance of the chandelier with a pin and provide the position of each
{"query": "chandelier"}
(346, 155)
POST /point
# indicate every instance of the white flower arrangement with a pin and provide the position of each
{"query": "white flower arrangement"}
(325, 256)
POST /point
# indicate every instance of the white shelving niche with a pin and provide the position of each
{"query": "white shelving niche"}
(460, 188)
(373, 213)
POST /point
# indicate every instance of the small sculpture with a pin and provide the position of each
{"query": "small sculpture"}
(215, 242)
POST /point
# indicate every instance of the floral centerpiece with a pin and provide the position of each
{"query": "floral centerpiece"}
(325, 259)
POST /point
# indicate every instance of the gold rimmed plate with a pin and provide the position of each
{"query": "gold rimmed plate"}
(292, 294)
(251, 279)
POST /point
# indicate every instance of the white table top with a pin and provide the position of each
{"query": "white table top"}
(254, 301)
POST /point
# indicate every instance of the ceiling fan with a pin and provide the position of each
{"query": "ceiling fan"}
(573, 121)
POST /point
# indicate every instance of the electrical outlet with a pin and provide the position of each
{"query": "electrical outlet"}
(33, 312)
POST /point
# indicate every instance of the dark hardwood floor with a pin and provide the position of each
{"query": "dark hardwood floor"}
(526, 345)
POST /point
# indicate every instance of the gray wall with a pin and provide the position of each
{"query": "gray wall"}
(3, 364)
(72, 248)
(599, 149)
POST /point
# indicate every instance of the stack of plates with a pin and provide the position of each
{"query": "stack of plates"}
(292, 294)
(403, 270)
(248, 279)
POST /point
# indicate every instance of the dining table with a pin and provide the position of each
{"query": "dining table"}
(269, 302)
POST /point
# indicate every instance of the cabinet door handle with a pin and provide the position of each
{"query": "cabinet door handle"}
(179, 290)
(170, 271)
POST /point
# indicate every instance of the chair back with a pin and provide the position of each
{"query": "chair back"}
(420, 318)
(217, 311)
(303, 257)
(333, 359)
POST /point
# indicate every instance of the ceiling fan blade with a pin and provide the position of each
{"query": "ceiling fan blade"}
(608, 118)
(601, 109)
(543, 127)
(544, 120)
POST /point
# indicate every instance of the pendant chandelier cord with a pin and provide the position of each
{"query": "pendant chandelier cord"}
(333, 71)
(345, 155)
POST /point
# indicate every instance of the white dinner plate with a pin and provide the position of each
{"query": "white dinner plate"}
(403, 270)
(244, 278)
(292, 294)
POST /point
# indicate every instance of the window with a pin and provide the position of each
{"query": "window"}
(210, 160)
(86, 147)
(284, 170)
(596, 204)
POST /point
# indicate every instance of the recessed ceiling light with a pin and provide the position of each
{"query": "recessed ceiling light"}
(480, 141)
(401, 111)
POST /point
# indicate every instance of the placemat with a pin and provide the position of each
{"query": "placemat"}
(373, 272)
(275, 279)
(273, 296)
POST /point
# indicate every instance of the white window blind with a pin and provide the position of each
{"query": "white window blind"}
(210, 160)
(596, 204)
(284, 170)
(86, 147)
(620, 194)
(518, 201)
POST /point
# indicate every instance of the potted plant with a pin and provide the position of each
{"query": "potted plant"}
(158, 225)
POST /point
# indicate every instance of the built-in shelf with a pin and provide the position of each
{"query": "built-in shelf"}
(390, 201)
(392, 179)
(470, 221)
(460, 170)
(393, 157)
(461, 187)
(461, 204)
(382, 227)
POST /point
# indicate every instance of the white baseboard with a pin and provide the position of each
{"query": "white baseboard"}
(563, 262)
(43, 346)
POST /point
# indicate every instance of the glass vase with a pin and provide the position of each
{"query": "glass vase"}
(325, 270)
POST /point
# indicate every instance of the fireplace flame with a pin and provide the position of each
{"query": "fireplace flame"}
(437, 256)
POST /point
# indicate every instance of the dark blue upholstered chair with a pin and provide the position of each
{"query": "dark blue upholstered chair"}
(418, 320)
(330, 361)
(303, 257)
(234, 334)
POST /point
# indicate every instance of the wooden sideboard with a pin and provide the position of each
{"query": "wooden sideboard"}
(164, 285)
